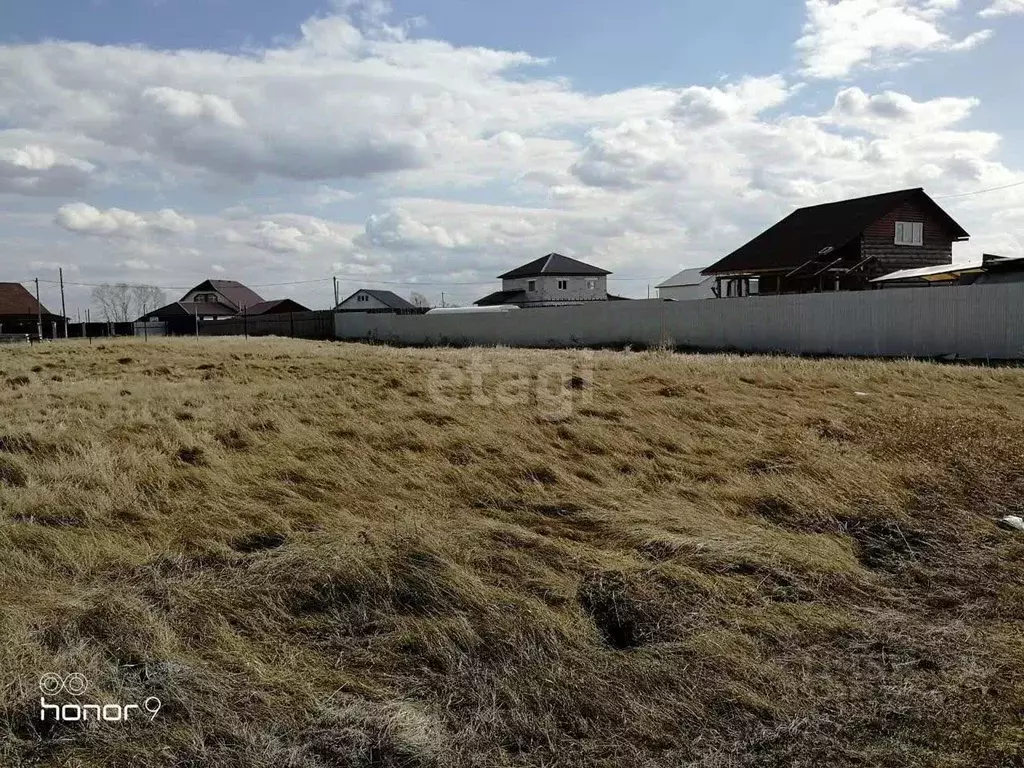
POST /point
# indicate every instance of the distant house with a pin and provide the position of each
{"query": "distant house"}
(551, 280)
(275, 307)
(19, 312)
(217, 300)
(688, 285)
(841, 246)
(369, 300)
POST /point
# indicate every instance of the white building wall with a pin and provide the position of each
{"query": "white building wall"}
(352, 302)
(702, 290)
(547, 290)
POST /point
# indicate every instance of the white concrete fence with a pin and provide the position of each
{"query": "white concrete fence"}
(973, 321)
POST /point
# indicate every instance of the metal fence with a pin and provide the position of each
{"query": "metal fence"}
(300, 325)
(971, 322)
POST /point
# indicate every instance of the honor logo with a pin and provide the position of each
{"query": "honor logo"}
(76, 684)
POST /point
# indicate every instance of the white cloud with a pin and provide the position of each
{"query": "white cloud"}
(84, 219)
(843, 35)
(883, 113)
(1003, 8)
(644, 180)
(293, 233)
(39, 170)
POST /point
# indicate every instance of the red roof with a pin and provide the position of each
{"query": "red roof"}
(16, 300)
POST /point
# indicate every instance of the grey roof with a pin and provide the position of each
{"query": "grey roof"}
(237, 295)
(686, 277)
(387, 298)
(554, 264)
(501, 297)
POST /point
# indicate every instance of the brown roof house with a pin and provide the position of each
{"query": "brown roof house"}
(217, 300)
(841, 246)
(549, 281)
(19, 312)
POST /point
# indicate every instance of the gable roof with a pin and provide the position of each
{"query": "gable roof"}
(191, 308)
(16, 300)
(387, 298)
(807, 232)
(272, 307)
(686, 277)
(554, 264)
(237, 295)
(501, 297)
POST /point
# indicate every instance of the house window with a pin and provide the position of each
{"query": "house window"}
(591, 284)
(531, 285)
(563, 285)
(909, 233)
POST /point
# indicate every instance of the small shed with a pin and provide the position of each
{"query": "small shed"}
(688, 285)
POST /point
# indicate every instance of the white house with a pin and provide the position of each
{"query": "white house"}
(687, 285)
(366, 300)
(551, 280)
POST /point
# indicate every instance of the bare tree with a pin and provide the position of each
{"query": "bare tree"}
(115, 301)
(147, 298)
(122, 303)
(419, 300)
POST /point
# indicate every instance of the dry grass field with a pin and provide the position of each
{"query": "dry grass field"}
(322, 554)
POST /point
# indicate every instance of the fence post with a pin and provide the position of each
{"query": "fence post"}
(291, 320)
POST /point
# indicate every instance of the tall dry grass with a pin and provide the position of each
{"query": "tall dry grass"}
(341, 555)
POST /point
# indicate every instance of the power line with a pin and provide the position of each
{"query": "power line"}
(981, 191)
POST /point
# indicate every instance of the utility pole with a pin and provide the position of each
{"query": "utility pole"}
(335, 290)
(63, 307)
(442, 299)
(39, 310)
(88, 320)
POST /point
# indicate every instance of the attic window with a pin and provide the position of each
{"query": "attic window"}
(909, 233)
(362, 297)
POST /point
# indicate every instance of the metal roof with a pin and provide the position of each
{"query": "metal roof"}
(686, 277)
(950, 271)
(389, 299)
(554, 264)
(808, 234)
(15, 299)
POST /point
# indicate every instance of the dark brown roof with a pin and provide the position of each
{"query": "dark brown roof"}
(190, 308)
(808, 233)
(554, 264)
(236, 294)
(15, 299)
(274, 307)
(501, 297)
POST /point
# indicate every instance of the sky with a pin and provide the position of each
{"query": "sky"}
(430, 145)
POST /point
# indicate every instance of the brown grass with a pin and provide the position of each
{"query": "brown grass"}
(315, 557)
